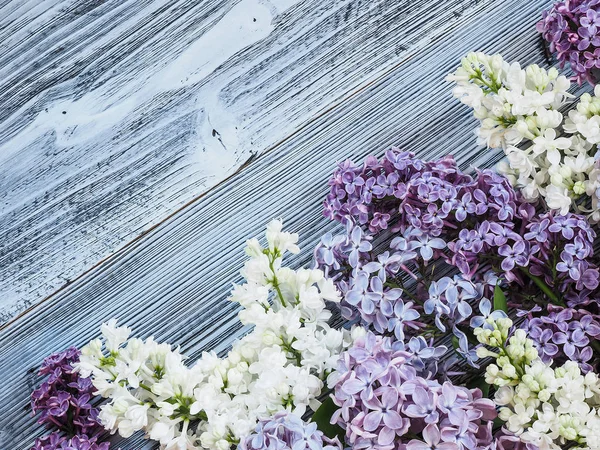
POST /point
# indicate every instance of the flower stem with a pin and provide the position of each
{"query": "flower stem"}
(275, 282)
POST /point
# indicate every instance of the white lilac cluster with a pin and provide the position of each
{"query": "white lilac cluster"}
(280, 365)
(551, 408)
(519, 112)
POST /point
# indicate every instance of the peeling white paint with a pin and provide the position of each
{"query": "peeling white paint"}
(114, 114)
(97, 111)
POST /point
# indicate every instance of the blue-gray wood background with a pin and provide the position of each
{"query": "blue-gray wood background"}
(142, 141)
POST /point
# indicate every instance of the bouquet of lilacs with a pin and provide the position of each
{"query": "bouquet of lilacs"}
(548, 156)
(428, 250)
(430, 261)
(444, 240)
(219, 403)
(471, 300)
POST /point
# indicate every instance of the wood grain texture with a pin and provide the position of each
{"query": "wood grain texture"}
(114, 113)
(173, 282)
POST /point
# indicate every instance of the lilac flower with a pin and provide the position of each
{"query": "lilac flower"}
(578, 249)
(432, 438)
(592, 59)
(388, 263)
(589, 279)
(449, 404)
(424, 406)
(571, 29)
(379, 221)
(591, 19)
(404, 316)
(368, 190)
(545, 346)
(63, 401)
(384, 416)
(326, 252)
(356, 245)
(386, 185)
(564, 334)
(464, 207)
(385, 297)
(559, 318)
(353, 182)
(434, 216)
(423, 353)
(506, 441)
(586, 324)
(426, 245)
(436, 303)
(362, 295)
(564, 225)
(500, 234)
(287, 431)
(362, 383)
(538, 231)
(468, 353)
(55, 441)
(513, 255)
(402, 405)
(485, 307)
(582, 357)
(568, 264)
(461, 436)
(58, 405)
(570, 340)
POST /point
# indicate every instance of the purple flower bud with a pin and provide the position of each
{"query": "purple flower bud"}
(63, 401)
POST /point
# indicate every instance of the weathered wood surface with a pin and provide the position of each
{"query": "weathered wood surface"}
(115, 113)
(173, 282)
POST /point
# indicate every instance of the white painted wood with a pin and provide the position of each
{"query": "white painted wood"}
(115, 113)
(173, 282)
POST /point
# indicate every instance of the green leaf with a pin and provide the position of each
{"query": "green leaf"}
(322, 418)
(500, 300)
(543, 287)
(455, 343)
(498, 423)
(479, 382)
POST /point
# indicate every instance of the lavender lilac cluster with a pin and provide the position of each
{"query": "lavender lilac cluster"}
(63, 402)
(564, 334)
(572, 29)
(55, 441)
(384, 404)
(429, 217)
(287, 431)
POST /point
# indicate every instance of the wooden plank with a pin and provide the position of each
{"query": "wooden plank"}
(173, 282)
(114, 113)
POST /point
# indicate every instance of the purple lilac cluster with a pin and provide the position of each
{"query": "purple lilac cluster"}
(564, 334)
(55, 441)
(63, 402)
(572, 29)
(568, 242)
(384, 404)
(286, 431)
(424, 213)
